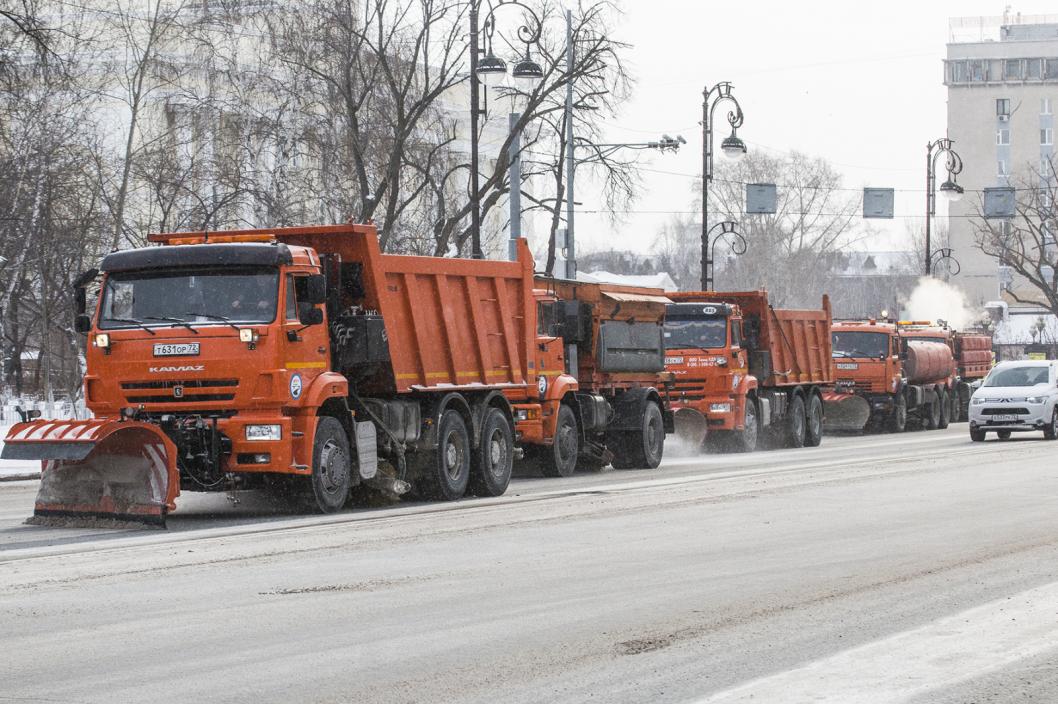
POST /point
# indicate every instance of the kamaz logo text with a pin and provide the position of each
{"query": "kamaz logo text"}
(187, 368)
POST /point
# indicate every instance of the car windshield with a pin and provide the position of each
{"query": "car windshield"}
(707, 333)
(1018, 376)
(860, 344)
(189, 296)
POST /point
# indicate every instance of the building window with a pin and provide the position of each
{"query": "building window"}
(977, 71)
(1045, 106)
(1034, 69)
(958, 71)
(1051, 69)
(1012, 69)
(1003, 107)
(1045, 167)
(1001, 168)
(1002, 137)
(1047, 136)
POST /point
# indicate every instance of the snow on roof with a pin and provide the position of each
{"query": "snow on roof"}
(1017, 329)
(660, 280)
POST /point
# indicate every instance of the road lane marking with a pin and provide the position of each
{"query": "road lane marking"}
(910, 664)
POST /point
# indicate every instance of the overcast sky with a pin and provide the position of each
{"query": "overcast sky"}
(857, 83)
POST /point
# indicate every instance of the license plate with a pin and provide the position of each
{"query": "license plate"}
(180, 349)
(847, 365)
(1005, 418)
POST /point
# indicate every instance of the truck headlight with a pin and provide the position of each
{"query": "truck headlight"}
(247, 335)
(720, 407)
(102, 340)
(264, 432)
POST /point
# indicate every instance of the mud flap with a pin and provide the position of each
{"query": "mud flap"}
(690, 426)
(121, 470)
(845, 411)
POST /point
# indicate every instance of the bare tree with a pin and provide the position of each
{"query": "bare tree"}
(1026, 243)
(815, 220)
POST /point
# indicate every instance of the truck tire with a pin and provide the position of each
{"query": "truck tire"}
(445, 472)
(945, 409)
(494, 459)
(331, 480)
(814, 422)
(931, 413)
(745, 440)
(642, 449)
(897, 420)
(560, 460)
(1051, 431)
(795, 423)
(953, 401)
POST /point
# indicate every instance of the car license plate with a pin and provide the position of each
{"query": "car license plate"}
(176, 350)
(1005, 418)
(847, 365)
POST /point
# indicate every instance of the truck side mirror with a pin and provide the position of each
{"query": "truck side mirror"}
(309, 314)
(316, 290)
(82, 323)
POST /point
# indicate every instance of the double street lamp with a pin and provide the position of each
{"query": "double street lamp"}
(491, 70)
(733, 148)
(949, 190)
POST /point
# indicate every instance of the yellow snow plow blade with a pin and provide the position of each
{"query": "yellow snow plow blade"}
(121, 470)
(845, 411)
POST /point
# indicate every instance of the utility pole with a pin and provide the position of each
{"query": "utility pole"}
(571, 248)
(515, 170)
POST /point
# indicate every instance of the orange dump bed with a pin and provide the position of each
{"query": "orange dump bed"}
(787, 346)
(973, 354)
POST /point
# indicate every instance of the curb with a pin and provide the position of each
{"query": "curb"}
(19, 477)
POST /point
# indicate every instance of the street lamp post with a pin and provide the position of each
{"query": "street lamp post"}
(732, 147)
(950, 190)
(490, 70)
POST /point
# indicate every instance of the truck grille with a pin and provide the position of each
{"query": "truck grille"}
(188, 390)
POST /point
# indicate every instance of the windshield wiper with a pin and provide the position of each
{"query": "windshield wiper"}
(841, 353)
(178, 321)
(134, 322)
(212, 316)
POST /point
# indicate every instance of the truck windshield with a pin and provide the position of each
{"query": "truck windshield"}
(860, 344)
(137, 298)
(707, 333)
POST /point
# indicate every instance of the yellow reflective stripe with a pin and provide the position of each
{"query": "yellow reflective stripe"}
(306, 365)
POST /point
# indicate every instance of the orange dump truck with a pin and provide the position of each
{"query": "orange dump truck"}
(971, 359)
(889, 373)
(301, 360)
(743, 368)
(599, 362)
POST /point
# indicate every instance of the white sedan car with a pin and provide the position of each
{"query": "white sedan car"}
(1016, 397)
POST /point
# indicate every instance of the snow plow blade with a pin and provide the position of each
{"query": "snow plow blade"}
(845, 411)
(120, 470)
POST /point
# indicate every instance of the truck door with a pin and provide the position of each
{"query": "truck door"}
(305, 348)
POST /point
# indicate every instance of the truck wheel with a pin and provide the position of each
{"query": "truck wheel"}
(897, 421)
(560, 460)
(1051, 431)
(745, 440)
(953, 401)
(331, 477)
(642, 449)
(945, 410)
(931, 419)
(446, 471)
(814, 422)
(977, 435)
(494, 458)
(795, 423)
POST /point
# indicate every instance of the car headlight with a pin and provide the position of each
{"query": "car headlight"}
(978, 401)
(1036, 399)
(264, 432)
(720, 407)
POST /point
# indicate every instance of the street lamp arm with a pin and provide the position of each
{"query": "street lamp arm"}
(527, 34)
(728, 230)
(945, 254)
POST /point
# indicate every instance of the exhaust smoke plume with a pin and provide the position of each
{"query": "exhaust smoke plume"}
(934, 299)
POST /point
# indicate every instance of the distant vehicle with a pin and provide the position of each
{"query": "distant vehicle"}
(1016, 397)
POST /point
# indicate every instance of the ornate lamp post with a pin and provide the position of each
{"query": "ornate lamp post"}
(727, 229)
(949, 190)
(490, 70)
(944, 255)
(732, 147)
